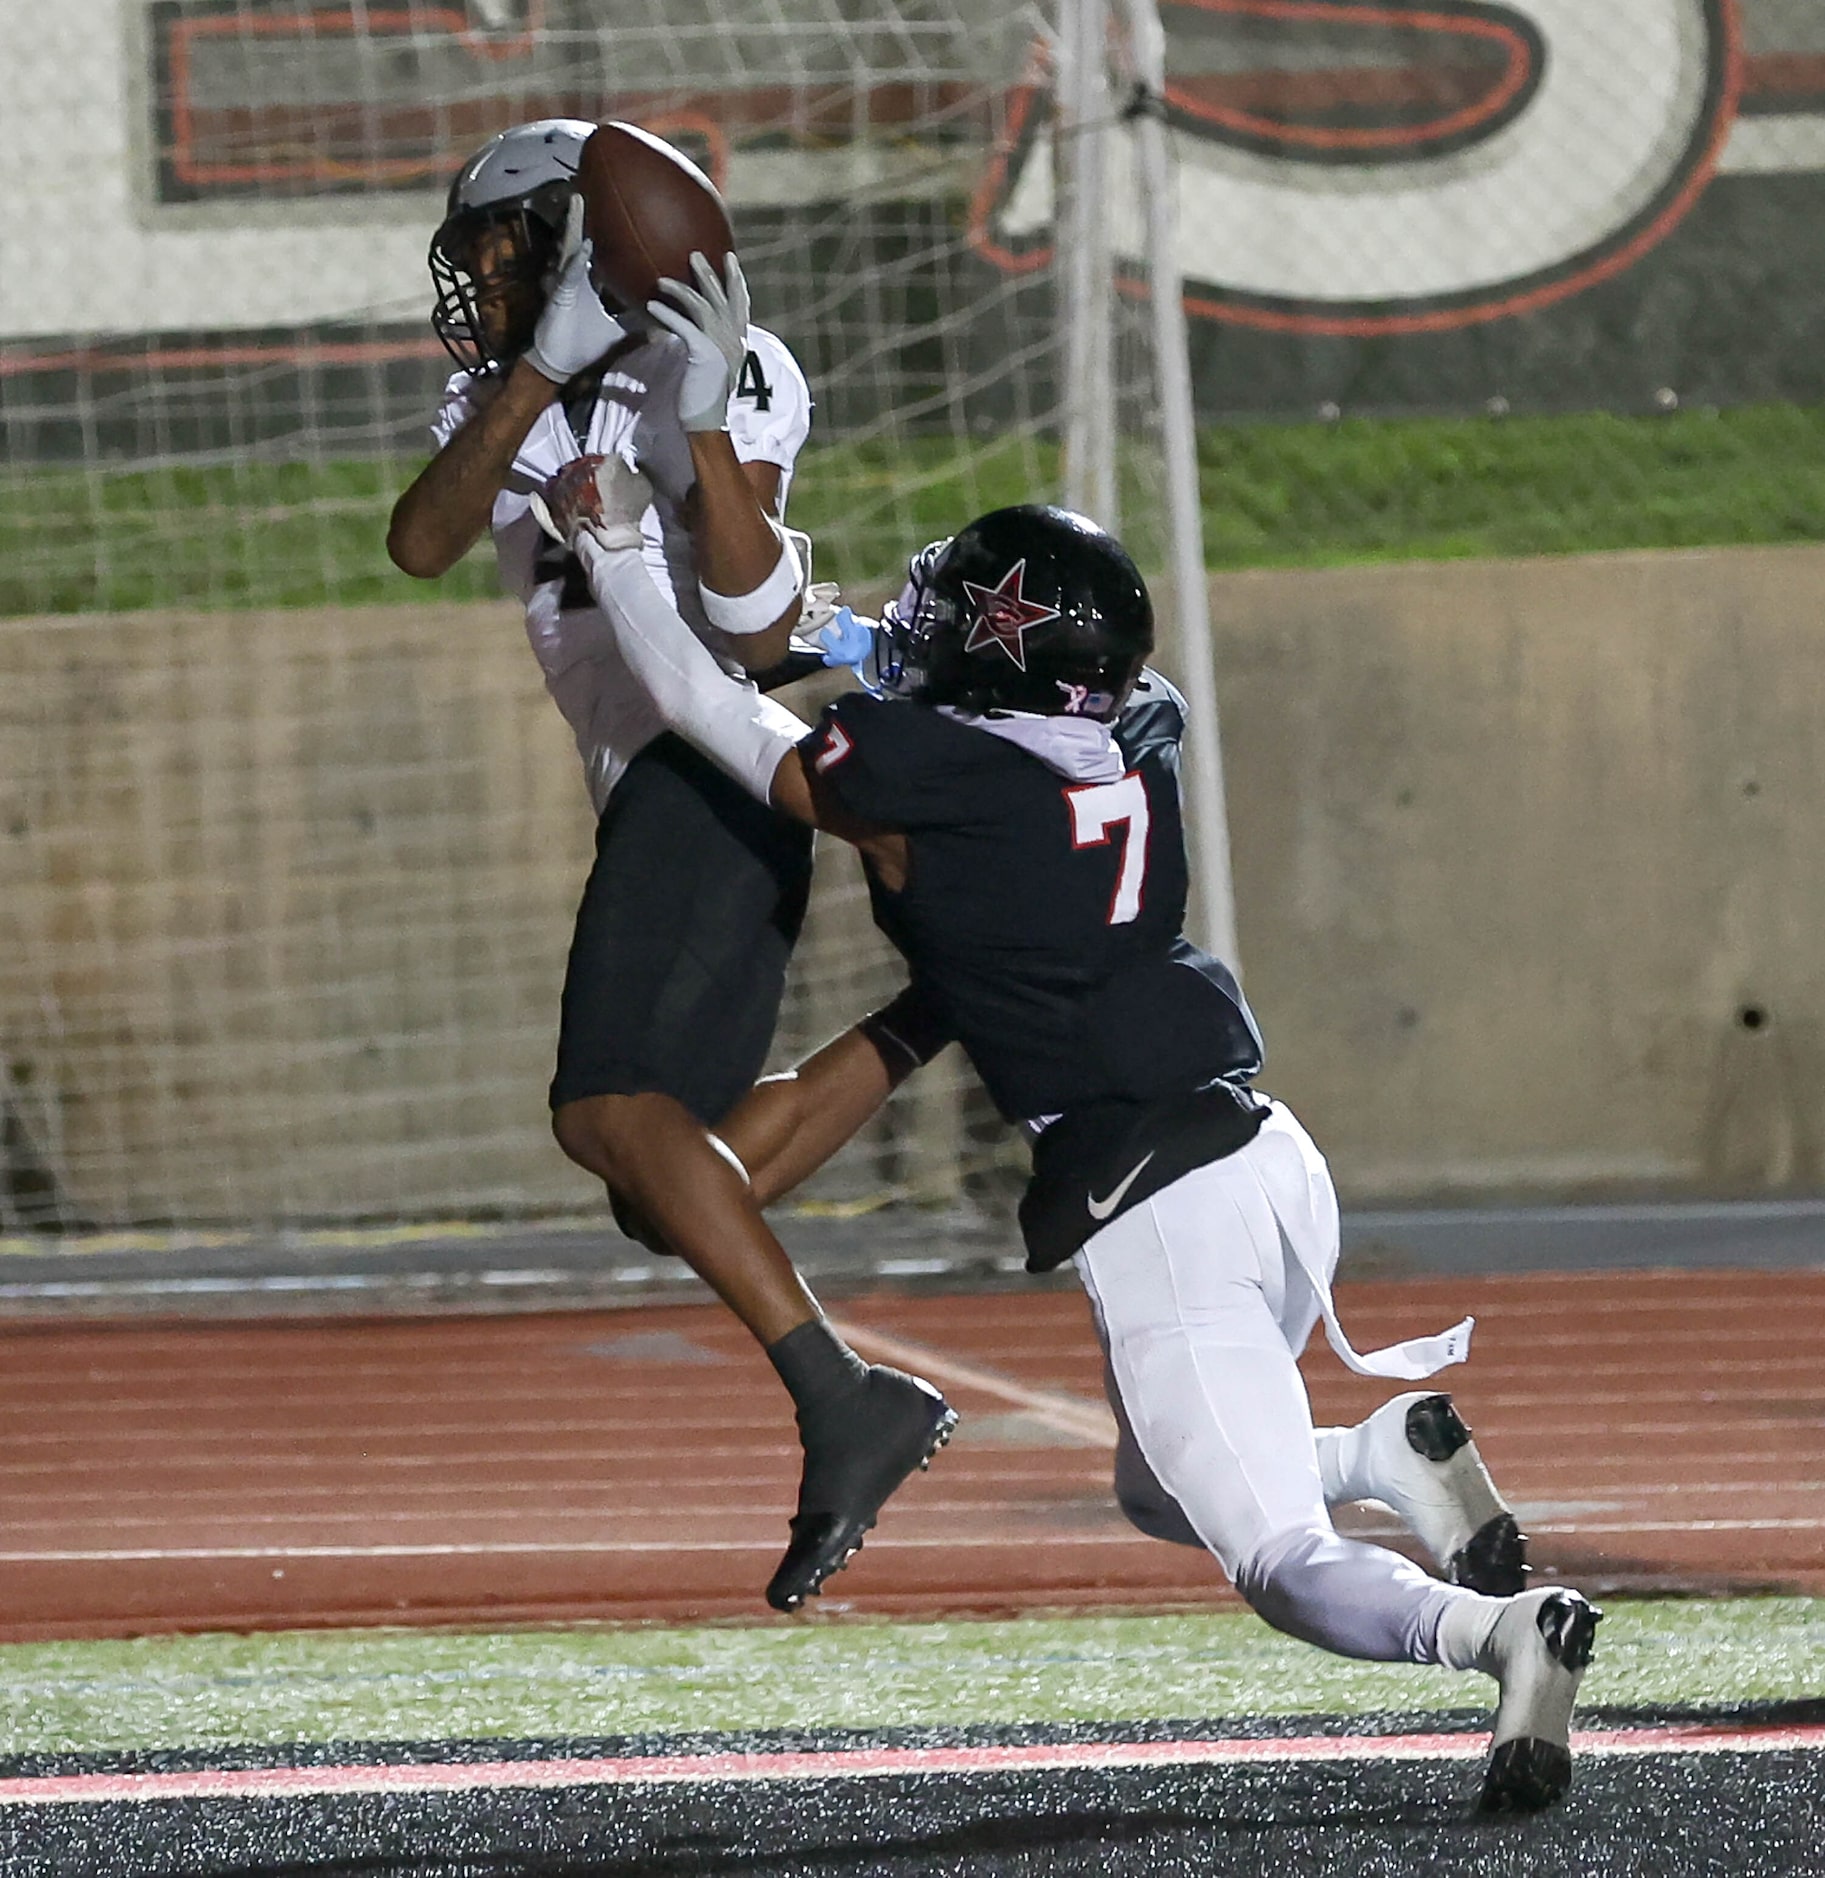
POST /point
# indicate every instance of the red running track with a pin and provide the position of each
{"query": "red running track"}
(1657, 1431)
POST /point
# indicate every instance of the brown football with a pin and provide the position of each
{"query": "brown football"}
(647, 208)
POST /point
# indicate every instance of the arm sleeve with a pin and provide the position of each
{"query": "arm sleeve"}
(770, 412)
(896, 764)
(739, 730)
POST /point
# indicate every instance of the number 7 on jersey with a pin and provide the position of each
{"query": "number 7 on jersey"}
(1096, 810)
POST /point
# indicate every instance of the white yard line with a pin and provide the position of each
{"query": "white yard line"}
(1089, 1422)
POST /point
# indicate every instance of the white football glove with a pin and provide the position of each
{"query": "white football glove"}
(714, 327)
(575, 328)
(601, 496)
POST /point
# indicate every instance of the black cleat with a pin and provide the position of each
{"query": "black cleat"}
(1493, 1560)
(1434, 1428)
(1538, 1652)
(893, 1424)
(1426, 1466)
(1525, 1776)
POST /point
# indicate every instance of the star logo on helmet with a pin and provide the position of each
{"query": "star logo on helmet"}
(1003, 614)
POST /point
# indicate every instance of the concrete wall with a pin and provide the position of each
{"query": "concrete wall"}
(1528, 861)
(285, 905)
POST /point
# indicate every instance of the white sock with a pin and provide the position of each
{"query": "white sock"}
(1341, 1464)
(1464, 1627)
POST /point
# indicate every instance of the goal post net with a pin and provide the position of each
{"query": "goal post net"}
(292, 845)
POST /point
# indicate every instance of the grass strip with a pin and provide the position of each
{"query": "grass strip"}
(261, 534)
(398, 1685)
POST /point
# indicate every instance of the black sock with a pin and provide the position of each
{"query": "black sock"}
(818, 1368)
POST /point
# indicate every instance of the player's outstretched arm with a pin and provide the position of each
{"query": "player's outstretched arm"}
(788, 1126)
(446, 506)
(443, 512)
(594, 505)
(749, 575)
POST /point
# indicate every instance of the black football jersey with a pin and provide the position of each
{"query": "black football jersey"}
(1042, 916)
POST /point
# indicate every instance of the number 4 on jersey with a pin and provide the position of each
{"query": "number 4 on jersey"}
(1096, 810)
(753, 383)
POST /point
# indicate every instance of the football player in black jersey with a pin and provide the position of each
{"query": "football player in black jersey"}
(1020, 830)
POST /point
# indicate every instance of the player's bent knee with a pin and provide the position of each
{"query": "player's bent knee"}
(600, 1133)
(1276, 1581)
(1145, 1504)
(1161, 1518)
(573, 1129)
(614, 1137)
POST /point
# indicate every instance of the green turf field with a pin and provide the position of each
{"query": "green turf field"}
(294, 535)
(380, 1685)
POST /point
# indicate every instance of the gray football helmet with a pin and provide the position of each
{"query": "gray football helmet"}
(492, 256)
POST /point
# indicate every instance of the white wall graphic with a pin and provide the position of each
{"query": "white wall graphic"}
(1626, 111)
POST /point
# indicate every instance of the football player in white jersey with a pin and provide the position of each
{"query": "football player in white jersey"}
(697, 894)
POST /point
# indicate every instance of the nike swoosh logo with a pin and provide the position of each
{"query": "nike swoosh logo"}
(1101, 1209)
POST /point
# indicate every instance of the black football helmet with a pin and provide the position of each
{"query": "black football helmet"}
(493, 254)
(1028, 609)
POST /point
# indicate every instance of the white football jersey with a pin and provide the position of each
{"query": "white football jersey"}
(635, 416)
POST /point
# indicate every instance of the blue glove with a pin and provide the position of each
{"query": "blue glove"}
(847, 640)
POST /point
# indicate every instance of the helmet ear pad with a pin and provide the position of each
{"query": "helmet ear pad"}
(1031, 609)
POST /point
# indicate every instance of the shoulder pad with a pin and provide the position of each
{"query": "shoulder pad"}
(898, 764)
(1154, 686)
(1153, 718)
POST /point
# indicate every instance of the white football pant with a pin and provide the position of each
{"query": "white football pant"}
(1203, 1309)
